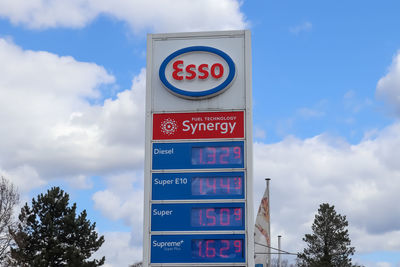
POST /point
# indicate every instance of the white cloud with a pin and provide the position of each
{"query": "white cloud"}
(389, 241)
(362, 181)
(259, 133)
(41, 13)
(388, 87)
(317, 111)
(49, 128)
(116, 207)
(304, 27)
(370, 263)
(354, 104)
(308, 113)
(156, 15)
(80, 182)
(118, 250)
(24, 177)
(123, 200)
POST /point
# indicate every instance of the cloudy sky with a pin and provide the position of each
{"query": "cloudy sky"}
(326, 88)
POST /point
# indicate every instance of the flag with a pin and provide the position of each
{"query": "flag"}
(262, 234)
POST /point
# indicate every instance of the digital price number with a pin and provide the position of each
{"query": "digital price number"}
(199, 248)
(210, 185)
(217, 155)
(214, 186)
(211, 217)
(212, 249)
(198, 155)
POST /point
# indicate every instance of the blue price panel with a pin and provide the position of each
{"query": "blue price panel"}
(200, 155)
(198, 248)
(197, 216)
(210, 185)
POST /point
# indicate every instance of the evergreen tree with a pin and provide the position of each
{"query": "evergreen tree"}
(329, 244)
(50, 234)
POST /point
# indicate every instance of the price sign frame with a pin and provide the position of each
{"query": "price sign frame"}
(198, 151)
(178, 249)
(198, 155)
(178, 186)
(198, 216)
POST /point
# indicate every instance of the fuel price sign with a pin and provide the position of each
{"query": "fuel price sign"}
(198, 155)
(199, 248)
(198, 185)
(198, 216)
(198, 175)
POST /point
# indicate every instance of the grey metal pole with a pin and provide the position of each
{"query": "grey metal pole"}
(279, 251)
(269, 225)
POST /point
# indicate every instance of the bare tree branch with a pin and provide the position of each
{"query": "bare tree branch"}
(9, 198)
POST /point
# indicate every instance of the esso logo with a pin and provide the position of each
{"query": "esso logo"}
(197, 72)
(202, 72)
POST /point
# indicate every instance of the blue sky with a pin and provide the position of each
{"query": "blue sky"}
(314, 55)
(326, 95)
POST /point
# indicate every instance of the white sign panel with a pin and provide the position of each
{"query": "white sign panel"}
(232, 44)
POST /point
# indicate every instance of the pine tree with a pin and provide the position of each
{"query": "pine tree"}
(329, 244)
(50, 234)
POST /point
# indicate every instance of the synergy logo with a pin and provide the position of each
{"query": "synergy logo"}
(198, 125)
(197, 72)
(218, 127)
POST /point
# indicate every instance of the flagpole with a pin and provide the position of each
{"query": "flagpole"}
(279, 247)
(269, 224)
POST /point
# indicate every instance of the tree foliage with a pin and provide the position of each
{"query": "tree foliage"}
(137, 264)
(329, 244)
(50, 234)
(9, 198)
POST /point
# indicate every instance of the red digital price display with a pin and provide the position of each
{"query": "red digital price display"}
(217, 186)
(217, 155)
(212, 217)
(212, 249)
